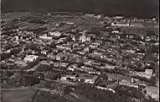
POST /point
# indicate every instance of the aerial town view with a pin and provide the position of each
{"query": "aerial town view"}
(78, 57)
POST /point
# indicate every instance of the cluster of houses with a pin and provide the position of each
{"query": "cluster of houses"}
(82, 56)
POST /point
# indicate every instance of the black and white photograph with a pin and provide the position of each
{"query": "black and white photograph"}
(79, 51)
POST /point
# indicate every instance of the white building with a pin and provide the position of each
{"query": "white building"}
(55, 34)
(110, 66)
(106, 89)
(84, 38)
(30, 58)
(65, 78)
(116, 31)
(127, 83)
(147, 74)
(118, 17)
(45, 37)
(153, 92)
(90, 81)
(120, 24)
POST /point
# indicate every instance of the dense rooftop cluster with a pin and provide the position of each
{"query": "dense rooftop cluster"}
(108, 54)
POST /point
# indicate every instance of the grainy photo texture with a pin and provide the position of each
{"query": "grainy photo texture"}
(79, 51)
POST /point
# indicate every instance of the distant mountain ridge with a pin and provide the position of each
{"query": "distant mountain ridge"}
(138, 8)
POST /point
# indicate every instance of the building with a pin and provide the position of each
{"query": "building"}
(120, 24)
(68, 77)
(55, 34)
(88, 79)
(105, 89)
(83, 38)
(64, 47)
(45, 37)
(147, 74)
(116, 31)
(30, 58)
(20, 64)
(153, 92)
(127, 83)
(118, 17)
(108, 66)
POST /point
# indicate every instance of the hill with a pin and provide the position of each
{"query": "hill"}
(138, 8)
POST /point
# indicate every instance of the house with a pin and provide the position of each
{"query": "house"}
(91, 80)
(89, 15)
(45, 37)
(61, 40)
(73, 37)
(86, 69)
(97, 53)
(84, 38)
(130, 51)
(147, 74)
(116, 31)
(88, 62)
(72, 67)
(106, 89)
(127, 83)
(137, 25)
(44, 52)
(88, 79)
(94, 72)
(108, 66)
(118, 17)
(68, 77)
(51, 56)
(30, 58)
(153, 92)
(70, 23)
(63, 64)
(120, 24)
(55, 34)
(61, 56)
(21, 64)
(64, 47)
